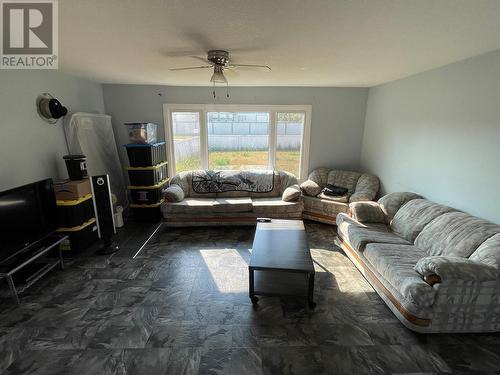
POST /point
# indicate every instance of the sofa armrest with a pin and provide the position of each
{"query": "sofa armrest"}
(367, 212)
(311, 188)
(173, 193)
(437, 269)
(345, 218)
(291, 193)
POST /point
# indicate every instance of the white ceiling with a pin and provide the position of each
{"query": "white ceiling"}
(307, 43)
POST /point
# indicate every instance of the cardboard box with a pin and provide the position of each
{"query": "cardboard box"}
(69, 190)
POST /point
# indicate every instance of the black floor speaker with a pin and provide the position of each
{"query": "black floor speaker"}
(101, 194)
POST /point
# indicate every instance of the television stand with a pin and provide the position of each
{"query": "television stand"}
(39, 270)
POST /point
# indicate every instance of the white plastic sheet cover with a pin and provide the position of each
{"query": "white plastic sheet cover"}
(92, 135)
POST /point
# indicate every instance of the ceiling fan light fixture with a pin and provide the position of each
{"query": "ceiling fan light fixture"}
(218, 76)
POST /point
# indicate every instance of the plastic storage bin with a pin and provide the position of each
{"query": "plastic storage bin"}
(146, 155)
(80, 237)
(147, 194)
(141, 132)
(147, 176)
(146, 212)
(72, 213)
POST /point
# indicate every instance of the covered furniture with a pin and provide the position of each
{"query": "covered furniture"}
(321, 207)
(204, 197)
(438, 269)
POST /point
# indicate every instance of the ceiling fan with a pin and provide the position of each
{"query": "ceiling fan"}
(219, 61)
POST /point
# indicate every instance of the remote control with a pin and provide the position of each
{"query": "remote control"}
(264, 219)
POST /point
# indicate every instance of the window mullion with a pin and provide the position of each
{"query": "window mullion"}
(204, 139)
(272, 139)
(169, 137)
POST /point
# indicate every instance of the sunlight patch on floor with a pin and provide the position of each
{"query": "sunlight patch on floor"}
(228, 269)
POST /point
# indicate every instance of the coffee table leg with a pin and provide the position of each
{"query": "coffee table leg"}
(251, 286)
(13, 289)
(310, 296)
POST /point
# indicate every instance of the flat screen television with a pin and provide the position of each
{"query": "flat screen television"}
(28, 214)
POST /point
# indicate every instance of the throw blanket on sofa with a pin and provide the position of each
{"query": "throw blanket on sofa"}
(207, 181)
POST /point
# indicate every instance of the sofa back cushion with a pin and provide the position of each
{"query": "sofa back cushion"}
(282, 180)
(488, 252)
(320, 176)
(366, 188)
(414, 215)
(345, 179)
(455, 234)
(392, 202)
(183, 179)
(188, 180)
(285, 180)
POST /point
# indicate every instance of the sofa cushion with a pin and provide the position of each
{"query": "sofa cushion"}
(341, 199)
(272, 207)
(488, 252)
(392, 202)
(366, 188)
(291, 194)
(323, 206)
(284, 180)
(395, 263)
(310, 188)
(320, 176)
(345, 179)
(173, 193)
(203, 206)
(414, 215)
(359, 235)
(455, 234)
(243, 204)
(233, 194)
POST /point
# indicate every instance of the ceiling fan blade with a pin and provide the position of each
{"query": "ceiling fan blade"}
(204, 59)
(181, 53)
(231, 73)
(264, 67)
(192, 68)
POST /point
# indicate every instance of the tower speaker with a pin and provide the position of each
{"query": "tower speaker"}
(101, 194)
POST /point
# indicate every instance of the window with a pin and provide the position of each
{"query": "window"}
(186, 140)
(242, 142)
(238, 137)
(289, 130)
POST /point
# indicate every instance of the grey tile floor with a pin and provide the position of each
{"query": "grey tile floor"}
(182, 307)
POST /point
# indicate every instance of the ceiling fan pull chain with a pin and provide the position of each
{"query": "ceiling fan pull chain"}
(213, 92)
(227, 90)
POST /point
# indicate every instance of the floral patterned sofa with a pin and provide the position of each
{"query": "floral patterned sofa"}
(324, 208)
(438, 269)
(205, 197)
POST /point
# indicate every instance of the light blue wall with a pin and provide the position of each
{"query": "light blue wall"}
(31, 149)
(337, 113)
(438, 134)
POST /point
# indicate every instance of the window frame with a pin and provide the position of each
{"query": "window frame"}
(203, 109)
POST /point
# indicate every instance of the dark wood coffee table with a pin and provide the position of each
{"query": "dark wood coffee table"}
(282, 258)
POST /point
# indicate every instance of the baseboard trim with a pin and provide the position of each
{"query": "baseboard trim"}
(422, 322)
